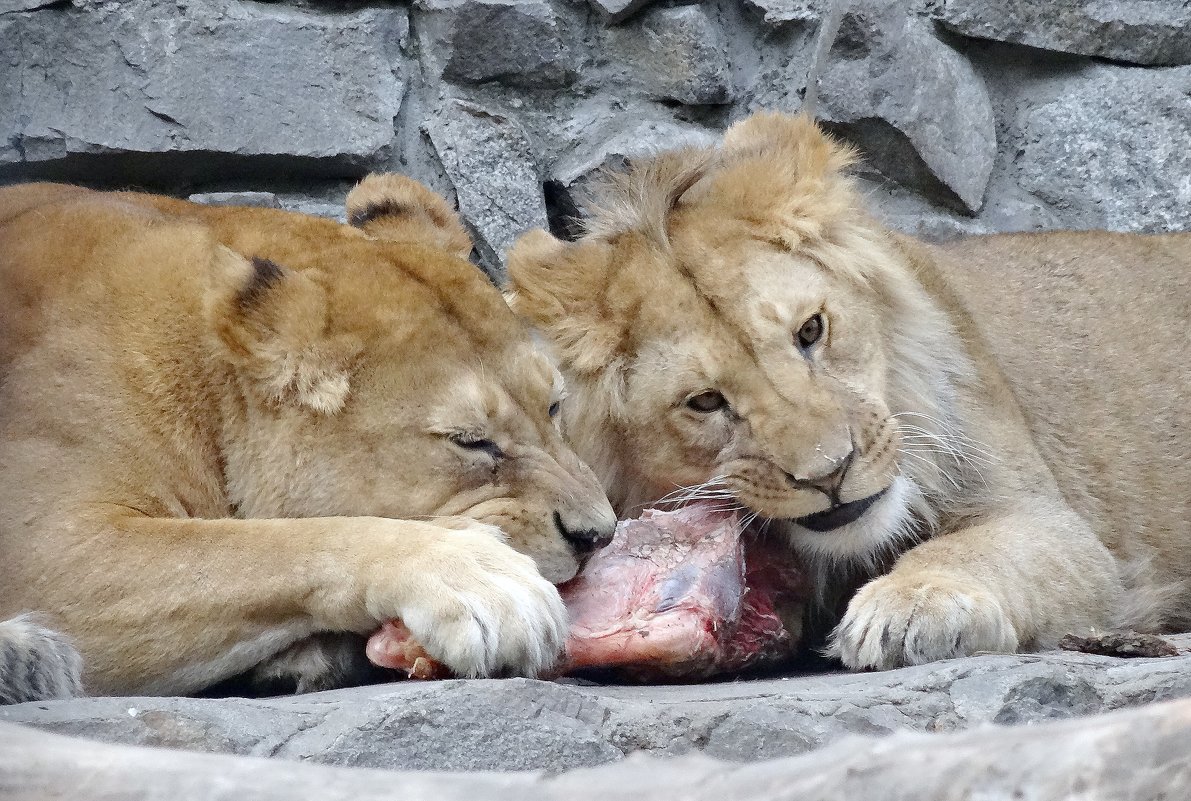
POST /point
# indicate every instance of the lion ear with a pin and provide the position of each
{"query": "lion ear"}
(271, 323)
(795, 141)
(388, 206)
(554, 286)
(782, 172)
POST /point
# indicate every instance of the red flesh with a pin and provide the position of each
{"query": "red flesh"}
(673, 596)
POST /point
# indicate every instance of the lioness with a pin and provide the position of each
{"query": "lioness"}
(224, 431)
(1002, 420)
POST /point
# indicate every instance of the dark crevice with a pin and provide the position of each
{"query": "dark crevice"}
(889, 154)
(177, 172)
(564, 217)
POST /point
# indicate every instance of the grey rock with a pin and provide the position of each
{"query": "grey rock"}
(11, 6)
(676, 54)
(520, 43)
(908, 212)
(1110, 150)
(778, 12)
(251, 82)
(618, 10)
(1126, 756)
(1152, 32)
(494, 170)
(540, 725)
(289, 97)
(525, 724)
(914, 105)
(778, 78)
(265, 200)
(313, 207)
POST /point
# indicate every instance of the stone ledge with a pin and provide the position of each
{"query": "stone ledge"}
(1126, 755)
(525, 725)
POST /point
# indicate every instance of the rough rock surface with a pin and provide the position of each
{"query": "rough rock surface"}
(780, 11)
(522, 725)
(225, 87)
(1155, 32)
(1139, 754)
(491, 163)
(915, 106)
(517, 42)
(963, 129)
(614, 10)
(1110, 150)
(266, 200)
(678, 54)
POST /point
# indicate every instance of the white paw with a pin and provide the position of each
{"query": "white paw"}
(895, 621)
(481, 608)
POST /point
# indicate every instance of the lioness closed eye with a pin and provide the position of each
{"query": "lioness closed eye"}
(227, 435)
(1002, 419)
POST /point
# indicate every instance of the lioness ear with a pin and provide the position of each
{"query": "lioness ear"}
(554, 285)
(271, 322)
(388, 206)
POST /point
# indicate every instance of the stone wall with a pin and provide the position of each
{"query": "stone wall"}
(974, 115)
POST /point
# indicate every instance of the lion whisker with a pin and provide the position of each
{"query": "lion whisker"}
(930, 462)
(955, 446)
(948, 431)
(711, 489)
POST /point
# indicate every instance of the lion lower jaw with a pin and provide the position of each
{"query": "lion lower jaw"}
(887, 522)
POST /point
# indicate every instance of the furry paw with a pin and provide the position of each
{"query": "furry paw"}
(36, 663)
(480, 607)
(895, 621)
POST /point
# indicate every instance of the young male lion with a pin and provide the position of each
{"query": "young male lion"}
(225, 433)
(1002, 420)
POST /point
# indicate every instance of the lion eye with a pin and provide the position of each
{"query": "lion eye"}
(554, 408)
(707, 402)
(469, 442)
(811, 331)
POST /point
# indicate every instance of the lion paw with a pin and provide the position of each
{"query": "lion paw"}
(894, 621)
(481, 608)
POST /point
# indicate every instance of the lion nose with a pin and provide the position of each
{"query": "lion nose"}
(585, 538)
(828, 483)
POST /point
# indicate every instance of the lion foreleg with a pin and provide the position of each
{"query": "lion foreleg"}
(1018, 581)
(173, 606)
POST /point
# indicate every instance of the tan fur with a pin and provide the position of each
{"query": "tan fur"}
(1018, 398)
(207, 458)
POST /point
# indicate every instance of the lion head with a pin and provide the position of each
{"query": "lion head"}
(734, 327)
(382, 375)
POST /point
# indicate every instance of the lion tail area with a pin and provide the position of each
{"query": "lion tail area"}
(37, 663)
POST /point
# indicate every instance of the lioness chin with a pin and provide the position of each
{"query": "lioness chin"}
(232, 438)
(993, 431)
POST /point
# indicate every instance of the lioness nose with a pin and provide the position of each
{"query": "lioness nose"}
(585, 539)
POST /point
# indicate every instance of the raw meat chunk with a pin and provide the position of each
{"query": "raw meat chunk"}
(681, 595)
(676, 595)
